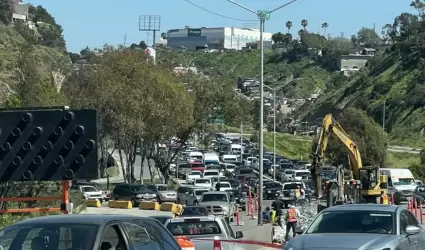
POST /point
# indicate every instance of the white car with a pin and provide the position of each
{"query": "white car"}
(203, 182)
(91, 193)
(224, 186)
(210, 173)
(194, 175)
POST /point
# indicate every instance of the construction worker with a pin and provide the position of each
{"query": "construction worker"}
(298, 192)
(291, 220)
(384, 198)
(273, 216)
(266, 215)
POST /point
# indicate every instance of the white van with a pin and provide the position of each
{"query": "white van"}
(401, 183)
(211, 159)
(229, 158)
(300, 173)
(196, 156)
(235, 147)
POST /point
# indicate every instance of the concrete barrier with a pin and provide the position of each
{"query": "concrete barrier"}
(93, 203)
(149, 205)
(120, 204)
(169, 207)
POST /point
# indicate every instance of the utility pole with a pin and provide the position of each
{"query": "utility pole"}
(383, 117)
(274, 133)
(263, 16)
(241, 139)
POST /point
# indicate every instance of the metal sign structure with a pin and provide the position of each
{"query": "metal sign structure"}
(150, 23)
(48, 144)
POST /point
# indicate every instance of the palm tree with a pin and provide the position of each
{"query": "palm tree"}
(289, 25)
(304, 23)
(325, 26)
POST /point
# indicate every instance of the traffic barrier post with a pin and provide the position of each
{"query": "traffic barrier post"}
(415, 207)
(420, 210)
(392, 199)
(249, 202)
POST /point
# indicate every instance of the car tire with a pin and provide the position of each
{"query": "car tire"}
(158, 199)
(178, 201)
(133, 202)
(186, 203)
(195, 203)
(116, 198)
(286, 205)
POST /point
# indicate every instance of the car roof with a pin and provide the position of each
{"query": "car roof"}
(364, 207)
(216, 192)
(94, 219)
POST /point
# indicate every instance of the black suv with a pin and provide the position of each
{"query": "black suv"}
(133, 192)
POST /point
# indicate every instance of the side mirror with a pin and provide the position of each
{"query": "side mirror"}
(412, 230)
(239, 234)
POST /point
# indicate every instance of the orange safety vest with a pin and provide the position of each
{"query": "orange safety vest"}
(292, 215)
(384, 199)
(298, 193)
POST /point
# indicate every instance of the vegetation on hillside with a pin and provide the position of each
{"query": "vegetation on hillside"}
(393, 80)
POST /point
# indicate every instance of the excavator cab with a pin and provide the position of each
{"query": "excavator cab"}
(372, 184)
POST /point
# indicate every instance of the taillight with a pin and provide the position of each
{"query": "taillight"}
(217, 245)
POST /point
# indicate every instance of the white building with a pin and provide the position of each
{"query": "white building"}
(214, 38)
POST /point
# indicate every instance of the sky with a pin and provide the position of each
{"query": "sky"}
(93, 23)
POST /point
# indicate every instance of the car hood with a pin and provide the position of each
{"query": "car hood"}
(214, 203)
(405, 187)
(341, 241)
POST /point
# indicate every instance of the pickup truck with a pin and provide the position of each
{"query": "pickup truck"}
(202, 231)
(287, 196)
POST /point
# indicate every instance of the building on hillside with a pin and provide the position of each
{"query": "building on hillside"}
(353, 62)
(20, 11)
(214, 38)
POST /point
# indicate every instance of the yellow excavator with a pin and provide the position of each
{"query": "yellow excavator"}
(364, 184)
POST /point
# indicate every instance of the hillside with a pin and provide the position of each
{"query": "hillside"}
(40, 46)
(391, 79)
(246, 64)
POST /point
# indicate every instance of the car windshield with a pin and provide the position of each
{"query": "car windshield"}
(161, 219)
(245, 171)
(163, 188)
(272, 185)
(353, 221)
(152, 188)
(232, 182)
(214, 167)
(194, 211)
(404, 181)
(196, 173)
(225, 184)
(201, 192)
(291, 186)
(138, 188)
(89, 189)
(211, 173)
(299, 174)
(230, 166)
(35, 236)
(214, 197)
(194, 228)
(202, 181)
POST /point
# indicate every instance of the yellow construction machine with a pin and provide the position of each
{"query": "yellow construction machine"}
(364, 184)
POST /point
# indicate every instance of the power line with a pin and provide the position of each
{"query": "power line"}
(217, 14)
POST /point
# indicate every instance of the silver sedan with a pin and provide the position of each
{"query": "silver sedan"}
(361, 226)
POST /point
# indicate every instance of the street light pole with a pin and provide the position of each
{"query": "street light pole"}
(262, 16)
(274, 133)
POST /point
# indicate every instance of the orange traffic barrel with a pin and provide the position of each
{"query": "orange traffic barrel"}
(185, 243)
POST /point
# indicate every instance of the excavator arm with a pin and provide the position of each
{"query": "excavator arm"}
(332, 128)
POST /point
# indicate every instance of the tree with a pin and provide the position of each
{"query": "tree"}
(304, 23)
(367, 135)
(6, 12)
(367, 37)
(277, 37)
(324, 27)
(289, 25)
(143, 45)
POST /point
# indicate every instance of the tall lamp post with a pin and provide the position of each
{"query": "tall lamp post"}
(263, 16)
(274, 118)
